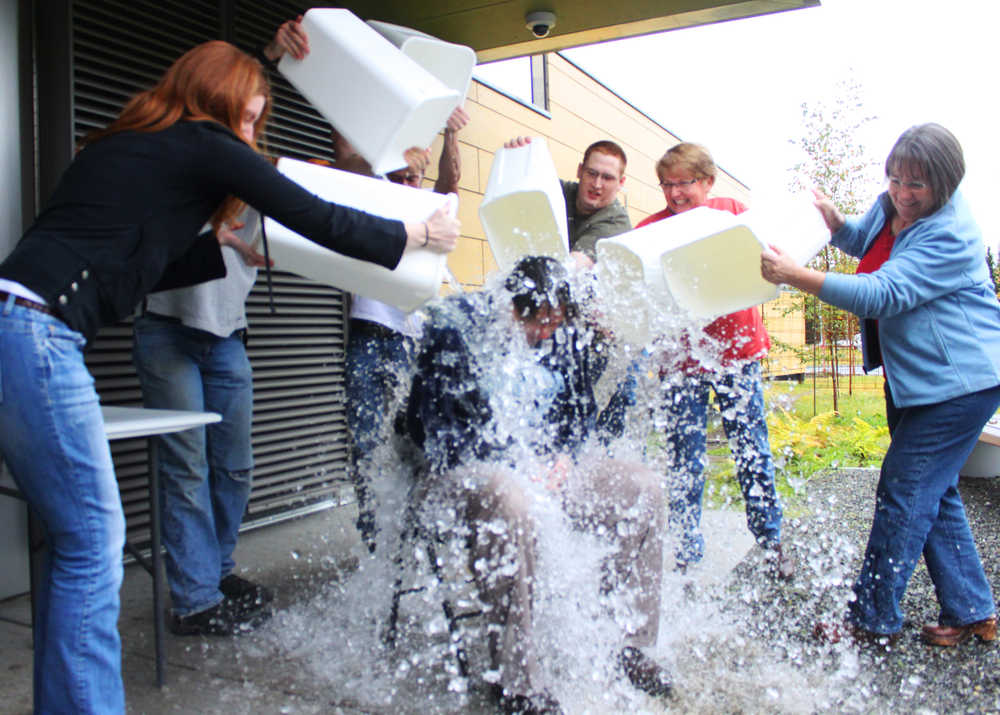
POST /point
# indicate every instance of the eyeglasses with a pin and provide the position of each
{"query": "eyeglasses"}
(408, 179)
(672, 184)
(593, 175)
(896, 183)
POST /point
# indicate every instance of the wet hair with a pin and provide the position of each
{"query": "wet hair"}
(606, 146)
(213, 81)
(687, 156)
(932, 153)
(539, 282)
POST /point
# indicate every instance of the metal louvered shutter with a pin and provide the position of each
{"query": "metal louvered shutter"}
(297, 353)
(299, 434)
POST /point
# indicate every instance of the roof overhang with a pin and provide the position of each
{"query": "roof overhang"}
(496, 29)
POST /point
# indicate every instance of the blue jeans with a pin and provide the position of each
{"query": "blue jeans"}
(205, 473)
(918, 510)
(52, 437)
(739, 395)
(376, 366)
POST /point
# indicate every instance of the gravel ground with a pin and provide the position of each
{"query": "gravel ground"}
(769, 662)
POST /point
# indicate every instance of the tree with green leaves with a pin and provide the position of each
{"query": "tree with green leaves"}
(836, 163)
(991, 263)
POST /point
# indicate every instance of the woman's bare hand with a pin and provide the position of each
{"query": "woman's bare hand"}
(439, 233)
(831, 214)
(249, 255)
(778, 267)
(290, 38)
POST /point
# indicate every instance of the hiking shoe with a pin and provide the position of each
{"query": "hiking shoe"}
(226, 618)
(247, 594)
(950, 636)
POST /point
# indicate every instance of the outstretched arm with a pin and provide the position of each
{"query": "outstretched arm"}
(450, 164)
(778, 267)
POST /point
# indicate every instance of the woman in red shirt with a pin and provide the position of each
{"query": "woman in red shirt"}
(687, 174)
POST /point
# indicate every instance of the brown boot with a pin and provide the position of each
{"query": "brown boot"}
(948, 636)
(847, 631)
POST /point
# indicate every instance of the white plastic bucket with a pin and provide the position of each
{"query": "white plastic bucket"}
(713, 269)
(379, 99)
(523, 211)
(413, 282)
(706, 261)
(450, 63)
(631, 284)
(711, 262)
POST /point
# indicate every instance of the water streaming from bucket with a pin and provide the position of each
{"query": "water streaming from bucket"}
(735, 643)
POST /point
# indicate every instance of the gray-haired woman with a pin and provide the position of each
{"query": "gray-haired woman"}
(931, 318)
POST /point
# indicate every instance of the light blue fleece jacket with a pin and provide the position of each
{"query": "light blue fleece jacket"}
(938, 317)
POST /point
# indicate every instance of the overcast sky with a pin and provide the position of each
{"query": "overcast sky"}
(738, 86)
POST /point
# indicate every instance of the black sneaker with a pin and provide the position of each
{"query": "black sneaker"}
(226, 618)
(645, 673)
(247, 594)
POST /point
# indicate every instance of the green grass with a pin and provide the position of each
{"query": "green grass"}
(866, 399)
(806, 436)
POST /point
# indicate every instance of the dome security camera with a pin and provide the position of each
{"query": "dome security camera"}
(540, 23)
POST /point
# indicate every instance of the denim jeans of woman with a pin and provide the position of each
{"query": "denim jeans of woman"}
(739, 397)
(52, 438)
(918, 510)
(205, 473)
(376, 366)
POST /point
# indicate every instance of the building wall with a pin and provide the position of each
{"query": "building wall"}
(581, 111)
(10, 135)
(786, 325)
(13, 514)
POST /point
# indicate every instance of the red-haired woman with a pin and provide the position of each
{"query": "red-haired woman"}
(124, 221)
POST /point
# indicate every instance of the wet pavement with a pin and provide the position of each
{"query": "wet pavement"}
(737, 640)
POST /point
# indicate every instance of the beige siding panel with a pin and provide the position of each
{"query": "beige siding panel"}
(470, 167)
(489, 262)
(485, 159)
(579, 94)
(469, 158)
(786, 325)
(488, 129)
(466, 261)
(535, 122)
(468, 214)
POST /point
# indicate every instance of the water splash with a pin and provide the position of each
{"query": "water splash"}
(738, 642)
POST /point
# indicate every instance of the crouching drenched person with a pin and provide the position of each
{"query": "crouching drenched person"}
(502, 404)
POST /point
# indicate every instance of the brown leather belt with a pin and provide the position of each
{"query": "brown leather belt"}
(25, 303)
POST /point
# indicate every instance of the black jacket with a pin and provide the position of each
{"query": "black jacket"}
(449, 413)
(125, 217)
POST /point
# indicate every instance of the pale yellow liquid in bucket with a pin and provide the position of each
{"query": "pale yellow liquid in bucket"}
(520, 224)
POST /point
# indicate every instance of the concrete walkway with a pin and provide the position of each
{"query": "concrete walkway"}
(223, 675)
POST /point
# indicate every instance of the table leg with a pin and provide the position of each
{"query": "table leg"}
(156, 560)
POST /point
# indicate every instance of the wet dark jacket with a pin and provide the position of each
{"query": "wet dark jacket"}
(125, 217)
(448, 401)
